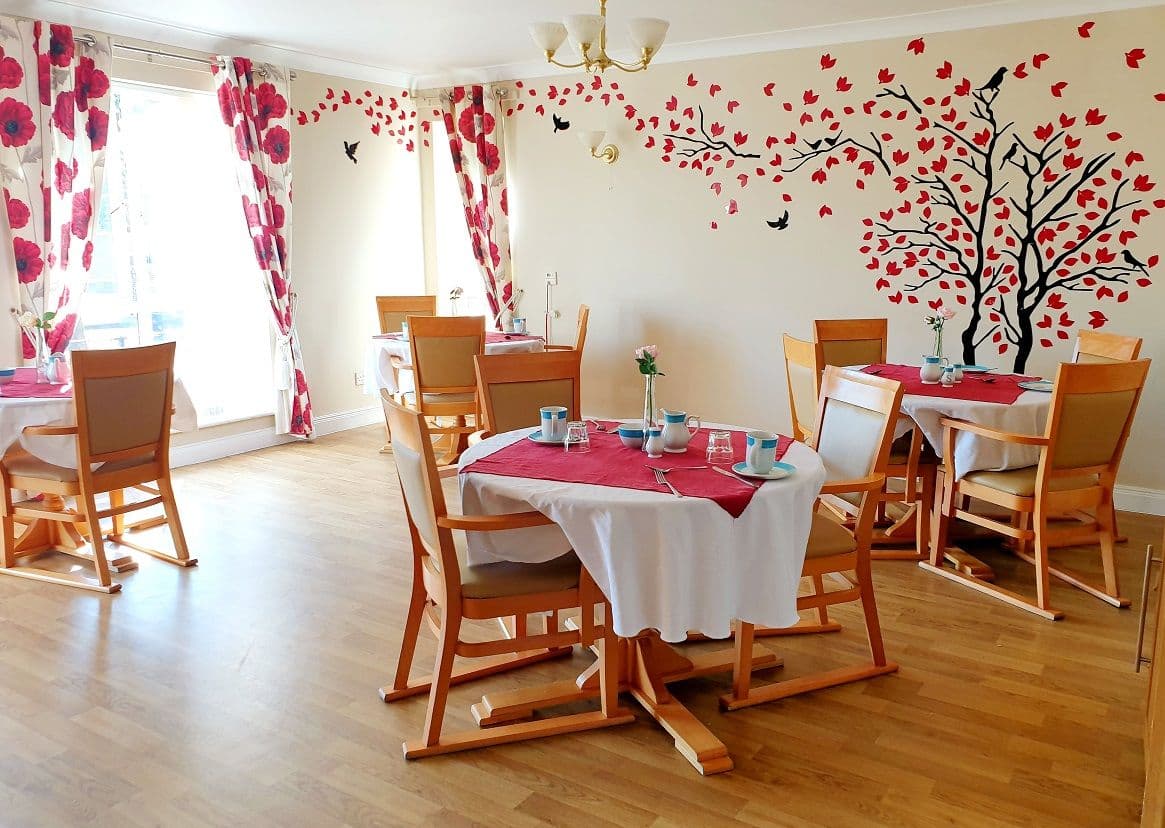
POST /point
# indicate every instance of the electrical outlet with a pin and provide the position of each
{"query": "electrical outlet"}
(358, 379)
(552, 278)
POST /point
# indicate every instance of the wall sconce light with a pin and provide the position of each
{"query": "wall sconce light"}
(591, 140)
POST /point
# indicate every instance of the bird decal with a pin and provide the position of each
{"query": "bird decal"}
(779, 224)
(1007, 156)
(559, 124)
(995, 81)
(350, 150)
(830, 141)
(1133, 261)
(813, 144)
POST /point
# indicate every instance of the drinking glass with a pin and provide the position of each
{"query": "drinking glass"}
(577, 437)
(720, 447)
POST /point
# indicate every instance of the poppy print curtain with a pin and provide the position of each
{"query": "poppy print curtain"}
(474, 125)
(54, 119)
(253, 100)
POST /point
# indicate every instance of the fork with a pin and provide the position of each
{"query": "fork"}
(662, 479)
(679, 468)
(736, 477)
(598, 426)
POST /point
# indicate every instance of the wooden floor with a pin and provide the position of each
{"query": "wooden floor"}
(243, 692)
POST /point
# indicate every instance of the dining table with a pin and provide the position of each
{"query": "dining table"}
(723, 548)
(384, 348)
(991, 399)
(27, 400)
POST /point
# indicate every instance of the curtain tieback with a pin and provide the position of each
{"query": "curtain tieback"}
(284, 362)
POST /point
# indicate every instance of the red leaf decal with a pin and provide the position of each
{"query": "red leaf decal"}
(1020, 71)
(739, 138)
(1133, 58)
(1085, 29)
(885, 75)
(732, 106)
(843, 84)
(944, 71)
(1142, 184)
(769, 87)
(917, 46)
(1058, 88)
(1038, 60)
(713, 89)
(1094, 117)
(826, 211)
(692, 80)
(1043, 132)
(809, 97)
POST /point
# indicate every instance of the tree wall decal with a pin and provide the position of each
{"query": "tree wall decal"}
(1010, 219)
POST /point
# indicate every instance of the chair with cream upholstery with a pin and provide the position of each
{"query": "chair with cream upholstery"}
(1091, 412)
(443, 348)
(580, 338)
(862, 342)
(447, 591)
(852, 435)
(392, 312)
(123, 404)
(513, 387)
(1096, 346)
(803, 367)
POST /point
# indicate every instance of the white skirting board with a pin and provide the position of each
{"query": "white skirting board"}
(1139, 499)
(219, 447)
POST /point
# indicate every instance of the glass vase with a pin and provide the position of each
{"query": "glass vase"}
(648, 404)
(938, 343)
(41, 360)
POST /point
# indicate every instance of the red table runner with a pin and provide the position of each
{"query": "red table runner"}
(24, 384)
(491, 337)
(610, 463)
(992, 388)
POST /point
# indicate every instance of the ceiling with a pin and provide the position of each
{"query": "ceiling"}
(429, 42)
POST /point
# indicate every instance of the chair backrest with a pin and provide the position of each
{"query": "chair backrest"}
(1092, 410)
(803, 368)
(513, 387)
(584, 313)
(123, 398)
(420, 485)
(851, 341)
(392, 311)
(1095, 346)
(443, 348)
(855, 423)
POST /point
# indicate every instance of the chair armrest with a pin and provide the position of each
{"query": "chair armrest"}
(494, 523)
(872, 483)
(477, 436)
(49, 431)
(549, 347)
(994, 433)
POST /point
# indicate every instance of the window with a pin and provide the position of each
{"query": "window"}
(172, 259)
(456, 266)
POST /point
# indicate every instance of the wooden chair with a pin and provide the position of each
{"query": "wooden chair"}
(513, 387)
(1095, 346)
(803, 367)
(393, 311)
(1089, 419)
(123, 408)
(446, 591)
(443, 348)
(853, 432)
(862, 342)
(584, 313)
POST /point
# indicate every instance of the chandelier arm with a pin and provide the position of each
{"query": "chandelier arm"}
(638, 66)
(578, 65)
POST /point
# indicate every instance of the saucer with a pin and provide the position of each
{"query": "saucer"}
(537, 437)
(779, 471)
(1037, 385)
(976, 369)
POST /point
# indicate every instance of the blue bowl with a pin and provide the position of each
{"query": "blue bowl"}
(7, 374)
(631, 435)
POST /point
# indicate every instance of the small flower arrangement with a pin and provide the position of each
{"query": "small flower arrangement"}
(454, 295)
(942, 314)
(645, 356)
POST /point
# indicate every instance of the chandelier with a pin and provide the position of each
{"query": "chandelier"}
(588, 36)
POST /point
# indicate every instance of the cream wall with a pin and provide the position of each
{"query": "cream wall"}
(634, 240)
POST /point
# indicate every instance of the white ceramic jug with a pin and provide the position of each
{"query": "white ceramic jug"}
(931, 371)
(677, 430)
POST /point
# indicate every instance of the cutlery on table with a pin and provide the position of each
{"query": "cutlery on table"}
(736, 477)
(661, 478)
(599, 426)
(678, 468)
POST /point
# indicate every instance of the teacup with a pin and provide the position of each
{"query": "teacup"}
(553, 422)
(631, 435)
(760, 451)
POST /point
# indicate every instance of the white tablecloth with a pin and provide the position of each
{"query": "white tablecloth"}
(18, 412)
(665, 563)
(378, 365)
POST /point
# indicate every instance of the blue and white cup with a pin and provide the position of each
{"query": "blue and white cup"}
(760, 451)
(553, 422)
(518, 325)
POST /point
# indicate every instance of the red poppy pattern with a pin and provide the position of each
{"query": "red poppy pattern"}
(52, 137)
(472, 121)
(253, 100)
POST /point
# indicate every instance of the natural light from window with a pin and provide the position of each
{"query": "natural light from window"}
(172, 258)
(456, 266)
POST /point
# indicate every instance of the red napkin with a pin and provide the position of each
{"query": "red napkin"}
(992, 388)
(24, 384)
(610, 463)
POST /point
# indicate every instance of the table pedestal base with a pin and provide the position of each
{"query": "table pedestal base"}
(646, 666)
(42, 536)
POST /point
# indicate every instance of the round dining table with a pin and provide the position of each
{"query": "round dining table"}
(378, 373)
(669, 565)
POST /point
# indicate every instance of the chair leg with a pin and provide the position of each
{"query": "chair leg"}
(442, 673)
(823, 610)
(742, 664)
(100, 562)
(170, 505)
(1106, 518)
(609, 671)
(117, 500)
(1043, 581)
(926, 509)
(942, 530)
(408, 644)
(8, 541)
(870, 611)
